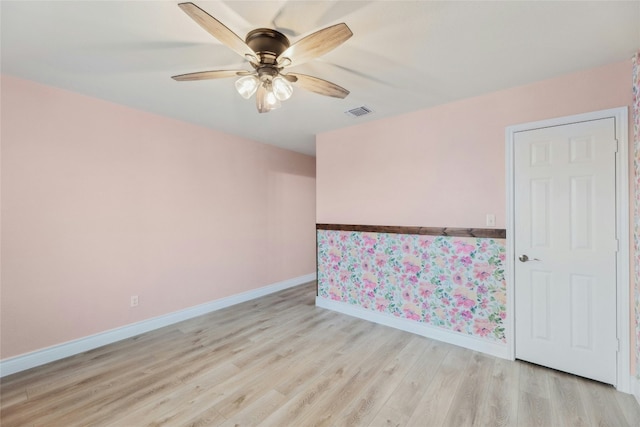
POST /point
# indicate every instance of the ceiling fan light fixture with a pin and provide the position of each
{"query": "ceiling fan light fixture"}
(247, 86)
(282, 89)
(269, 52)
(266, 99)
(272, 100)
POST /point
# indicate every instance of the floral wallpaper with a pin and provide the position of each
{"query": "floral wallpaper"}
(636, 234)
(455, 283)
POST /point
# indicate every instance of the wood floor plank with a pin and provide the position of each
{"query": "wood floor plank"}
(177, 407)
(372, 398)
(205, 418)
(89, 361)
(323, 356)
(258, 411)
(12, 397)
(322, 400)
(438, 395)
(600, 403)
(389, 417)
(407, 395)
(534, 379)
(629, 407)
(311, 365)
(534, 410)
(565, 397)
(150, 381)
(534, 404)
(103, 365)
(471, 394)
(501, 404)
(363, 374)
(280, 361)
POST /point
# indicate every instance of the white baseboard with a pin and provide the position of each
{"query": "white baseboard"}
(456, 338)
(60, 351)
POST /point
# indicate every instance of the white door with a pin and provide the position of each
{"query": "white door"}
(565, 248)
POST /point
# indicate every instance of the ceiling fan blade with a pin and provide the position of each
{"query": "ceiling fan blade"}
(318, 86)
(316, 44)
(207, 75)
(218, 30)
(294, 16)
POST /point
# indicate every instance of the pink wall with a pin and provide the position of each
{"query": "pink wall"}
(101, 202)
(445, 166)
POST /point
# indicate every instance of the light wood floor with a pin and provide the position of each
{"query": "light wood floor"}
(281, 361)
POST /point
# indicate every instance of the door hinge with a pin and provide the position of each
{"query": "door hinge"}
(616, 145)
(617, 344)
(616, 245)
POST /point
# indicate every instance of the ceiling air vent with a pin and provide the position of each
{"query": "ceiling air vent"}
(359, 111)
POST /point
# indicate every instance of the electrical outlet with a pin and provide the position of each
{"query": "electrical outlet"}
(491, 220)
(134, 300)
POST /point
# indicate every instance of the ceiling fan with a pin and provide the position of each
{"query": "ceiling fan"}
(269, 52)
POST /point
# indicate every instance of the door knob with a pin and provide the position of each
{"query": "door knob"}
(525, 258)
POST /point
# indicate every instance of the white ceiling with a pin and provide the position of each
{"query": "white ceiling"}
(404, 55)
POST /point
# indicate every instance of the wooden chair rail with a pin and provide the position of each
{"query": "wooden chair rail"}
(491, 233)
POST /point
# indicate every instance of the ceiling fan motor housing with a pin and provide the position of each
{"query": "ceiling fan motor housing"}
(267, 43)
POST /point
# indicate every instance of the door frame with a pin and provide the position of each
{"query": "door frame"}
(621, 119)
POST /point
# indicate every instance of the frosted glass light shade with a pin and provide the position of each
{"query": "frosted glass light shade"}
(247, 86)
(272, 100)
(282, 89)
(266, 100)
